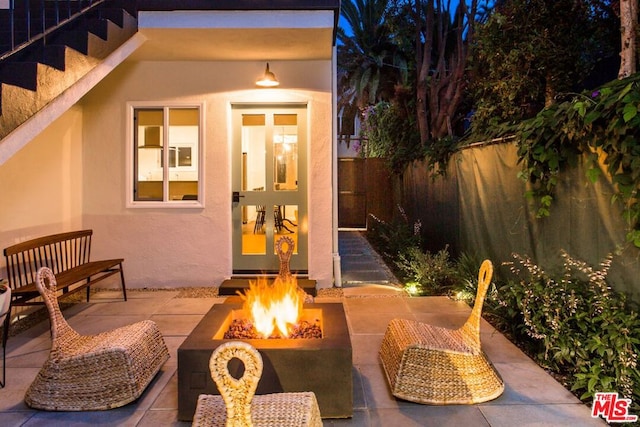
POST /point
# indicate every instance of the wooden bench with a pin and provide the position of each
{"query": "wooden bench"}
(67, 255)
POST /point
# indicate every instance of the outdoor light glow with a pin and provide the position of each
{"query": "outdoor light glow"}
(412, 288)
(268, 80)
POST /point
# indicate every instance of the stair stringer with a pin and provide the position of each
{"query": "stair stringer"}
(36, 123)
(17, 104)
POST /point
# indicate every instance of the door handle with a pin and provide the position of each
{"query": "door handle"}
(235, 197)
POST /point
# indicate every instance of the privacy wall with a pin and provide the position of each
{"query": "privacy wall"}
(479, 208)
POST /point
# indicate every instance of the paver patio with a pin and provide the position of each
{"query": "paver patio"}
(531, 397)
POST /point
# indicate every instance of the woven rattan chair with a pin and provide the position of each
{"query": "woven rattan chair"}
(237, 406)
(434, 365)
(93, 372)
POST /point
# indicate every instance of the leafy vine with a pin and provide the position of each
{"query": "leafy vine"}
(604, 125)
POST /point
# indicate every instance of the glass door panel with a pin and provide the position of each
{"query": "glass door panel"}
(254, 237)
(285, 220)
(253, 178)
(285, 152)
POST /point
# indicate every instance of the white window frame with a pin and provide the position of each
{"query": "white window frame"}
(130, 183)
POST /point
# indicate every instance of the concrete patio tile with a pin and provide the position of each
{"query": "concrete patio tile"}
(549, 415)
(360, 419)
(162, 417)
(376, 305)
(173, 342)
(189, 305)
(95, 324)
(168, 397)
(177, 324)
(108, 295)
(499, 349)
(22, 344)
(155, 388)
(441, 304)
(33, 332)
(126, 416)
(365, 348)
(26, 357)
(429, 416)
(18, 381)
(138, 306)
(367, 323)
(376, 389)
(527, 383)
(74, 309)
(358, 390)
(15, 418)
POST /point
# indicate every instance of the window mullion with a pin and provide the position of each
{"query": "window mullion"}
(165, 155)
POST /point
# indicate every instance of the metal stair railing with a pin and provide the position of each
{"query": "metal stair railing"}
(38, 22)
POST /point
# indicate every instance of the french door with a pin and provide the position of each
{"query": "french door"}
(269, 184)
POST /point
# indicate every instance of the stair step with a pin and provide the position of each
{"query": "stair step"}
(240, 284)
(88, 23)
(115, 15)
(40, 72)
(21, 74)
(51, 55)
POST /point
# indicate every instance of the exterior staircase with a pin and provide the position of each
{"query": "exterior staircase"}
(46, 46)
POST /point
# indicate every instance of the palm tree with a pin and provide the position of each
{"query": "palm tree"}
(369, 63)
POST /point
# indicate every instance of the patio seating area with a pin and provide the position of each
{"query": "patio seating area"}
(531, 396)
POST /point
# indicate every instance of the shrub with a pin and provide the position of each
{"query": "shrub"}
(393, 239)
(427, 273)
(583, 329)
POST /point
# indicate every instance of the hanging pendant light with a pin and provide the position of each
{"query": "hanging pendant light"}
(268, 80)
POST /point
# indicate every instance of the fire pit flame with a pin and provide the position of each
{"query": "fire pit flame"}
(275, 309)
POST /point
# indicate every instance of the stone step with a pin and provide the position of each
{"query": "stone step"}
(240, 284)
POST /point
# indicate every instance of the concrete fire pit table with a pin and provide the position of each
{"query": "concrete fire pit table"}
(322, 365)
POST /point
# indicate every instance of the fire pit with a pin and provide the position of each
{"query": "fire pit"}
(322, 365)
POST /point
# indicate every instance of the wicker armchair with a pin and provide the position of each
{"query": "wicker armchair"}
(237, 405)
(93, 372)
(434, 365)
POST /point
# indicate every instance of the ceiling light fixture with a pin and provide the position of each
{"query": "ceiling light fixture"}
(268, 80)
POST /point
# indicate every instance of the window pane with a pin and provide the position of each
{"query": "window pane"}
(183, 144)
(148, 155)
(285, 152)
(166, 170)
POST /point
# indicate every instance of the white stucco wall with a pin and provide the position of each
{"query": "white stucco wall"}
(42, 186)
(192, 246)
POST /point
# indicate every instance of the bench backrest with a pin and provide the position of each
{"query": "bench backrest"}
(59, 252)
